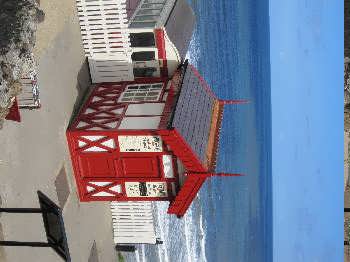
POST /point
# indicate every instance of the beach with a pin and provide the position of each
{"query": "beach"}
(34, 153)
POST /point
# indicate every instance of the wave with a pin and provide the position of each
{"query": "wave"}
(203, 235)
(193, 52)
(163, 225)
(188, 233)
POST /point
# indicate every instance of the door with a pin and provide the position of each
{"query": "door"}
(97, 165)
(139, 167)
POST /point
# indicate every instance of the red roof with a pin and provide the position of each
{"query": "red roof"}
(195, 130)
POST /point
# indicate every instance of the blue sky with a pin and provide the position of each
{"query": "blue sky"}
(307, 121)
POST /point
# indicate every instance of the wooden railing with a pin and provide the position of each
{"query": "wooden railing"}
(29, 97)
(133, 223)
(105, 38)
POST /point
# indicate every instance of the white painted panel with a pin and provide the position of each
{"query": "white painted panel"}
(117, 188)
(93, 138)
(102, 193)
(165, 96)
(140, 144)
(81, 143)
(109, 143)
(145, 109)
(140, 122)
(101, 183)
(95, 149)
(133, 222)
(89, 110)
(110, 70)
(172, 55)
(168, 166)
(89, 189)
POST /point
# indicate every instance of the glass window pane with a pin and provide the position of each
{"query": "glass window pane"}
(153, 6)
(146, 18)
(151, 98)
(139, 98)
(149, 12)
(126, 99)
(143, 56)
(142, 39)
(154, 1)
(144, 72)
(142, 24)
(157, 86)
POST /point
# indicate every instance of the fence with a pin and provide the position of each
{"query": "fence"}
(29, 97)
(105, 37)
(133, 223)
(110, 68)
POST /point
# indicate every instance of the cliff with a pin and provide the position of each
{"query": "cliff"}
(18, 24)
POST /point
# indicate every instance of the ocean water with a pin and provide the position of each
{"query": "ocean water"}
(231, 219)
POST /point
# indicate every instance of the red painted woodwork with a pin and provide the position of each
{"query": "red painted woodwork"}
(182, 150)
(102, 111)
(137, 167)
(14, 114)
(189, 190)
(101, 171)
(108, 165)
(169, 104)
(160, 43)
(186, 195)
(97, 165)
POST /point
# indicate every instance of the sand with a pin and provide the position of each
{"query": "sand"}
(34, 152)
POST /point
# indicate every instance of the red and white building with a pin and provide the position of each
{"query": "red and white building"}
(151, 139)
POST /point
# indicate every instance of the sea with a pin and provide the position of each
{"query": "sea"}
(231, 218)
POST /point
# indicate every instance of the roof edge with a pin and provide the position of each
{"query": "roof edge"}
(215, 135)
(179, 82)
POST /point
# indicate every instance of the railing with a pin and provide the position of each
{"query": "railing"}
(105, 37)
(133, 223)
(29, 97)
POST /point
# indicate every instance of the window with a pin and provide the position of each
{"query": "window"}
(148, 12)
(143, 56)
(148, 18)
(162, 2)
(141, 93)
(153, 6)
(142, 24)
(142, 39)
(144, 72)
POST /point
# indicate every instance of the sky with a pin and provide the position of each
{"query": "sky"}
(306, 38)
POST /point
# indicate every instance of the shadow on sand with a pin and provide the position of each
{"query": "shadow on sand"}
(83, 87)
